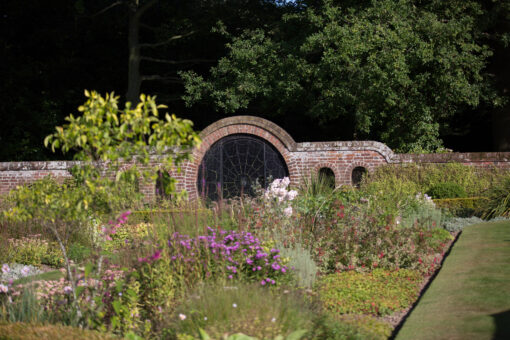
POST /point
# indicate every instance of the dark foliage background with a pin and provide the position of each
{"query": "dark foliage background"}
(52, 51)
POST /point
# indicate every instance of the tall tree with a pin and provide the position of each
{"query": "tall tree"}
(395, 71)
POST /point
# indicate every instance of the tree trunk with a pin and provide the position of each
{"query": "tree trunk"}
(501, 129)
(134, 77)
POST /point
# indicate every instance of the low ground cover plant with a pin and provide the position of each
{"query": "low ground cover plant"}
(379, 292)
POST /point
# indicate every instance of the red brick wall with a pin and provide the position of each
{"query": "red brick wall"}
(302, 159)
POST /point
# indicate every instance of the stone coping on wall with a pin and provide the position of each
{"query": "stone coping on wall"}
(38, 165)
(467, 157)
(379, 147)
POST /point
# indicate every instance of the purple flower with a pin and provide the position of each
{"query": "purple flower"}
(156, 255)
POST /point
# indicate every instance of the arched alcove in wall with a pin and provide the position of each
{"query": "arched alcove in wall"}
(327, 175)
(357, 175)
(235, 164)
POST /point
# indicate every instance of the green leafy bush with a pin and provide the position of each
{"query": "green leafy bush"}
(157, 289)
(421, 211)
(127, 236)
(78, 252)
(446, 190)
(414, 178)
(35, 251)
(380, 292)
(462, 207)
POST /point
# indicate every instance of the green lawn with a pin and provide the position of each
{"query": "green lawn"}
(470, 298)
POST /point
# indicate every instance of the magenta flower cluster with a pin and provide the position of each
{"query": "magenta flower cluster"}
(114, 225)
(237, 254)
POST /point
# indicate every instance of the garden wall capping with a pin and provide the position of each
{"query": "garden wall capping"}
(301, 159)
(38, 165)
(471, 157)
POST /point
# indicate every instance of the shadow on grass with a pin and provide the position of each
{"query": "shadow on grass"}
(502, 321)
(424, 289)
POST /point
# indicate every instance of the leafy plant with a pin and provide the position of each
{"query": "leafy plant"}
(380, 292)
(104, 134)
(25, 309)
(498, 203)
(301, 261)
(446, 190)
(34, 250)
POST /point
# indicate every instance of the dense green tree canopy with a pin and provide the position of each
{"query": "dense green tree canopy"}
(391, 70)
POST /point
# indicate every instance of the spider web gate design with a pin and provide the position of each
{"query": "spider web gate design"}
(234, 164)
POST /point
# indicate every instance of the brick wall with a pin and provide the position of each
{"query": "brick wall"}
(302, 159)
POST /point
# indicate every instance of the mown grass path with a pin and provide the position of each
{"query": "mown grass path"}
(470, 297)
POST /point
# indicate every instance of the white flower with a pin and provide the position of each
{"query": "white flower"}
(291, 195)
(234, 305)
(205, 318)
(5, 268)
(182, 317)
(273, 320)
(25, 270)
(287, 211)
(3, 288)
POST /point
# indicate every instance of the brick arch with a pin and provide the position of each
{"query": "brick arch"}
(329, 165)
(262, 123)
(212, 134)
(347, 174)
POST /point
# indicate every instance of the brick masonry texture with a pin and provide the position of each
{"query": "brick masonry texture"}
(302, 159)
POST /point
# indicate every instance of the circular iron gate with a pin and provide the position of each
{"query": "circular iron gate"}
(232, 166)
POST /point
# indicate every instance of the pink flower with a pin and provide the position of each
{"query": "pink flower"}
(25, 270)
(156, 255)
(5, 268)
(3, 288)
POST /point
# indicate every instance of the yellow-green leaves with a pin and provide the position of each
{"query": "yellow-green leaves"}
(134, 135)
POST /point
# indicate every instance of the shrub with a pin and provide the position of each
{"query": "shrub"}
(446, 190)
(380, 292)
(78, 253)
(157, 289)
(33, 250)
(462, 207)
(127, 236)
(249, 309)
(420, 177)
(421, 211)
(360, 242)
